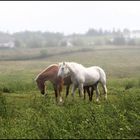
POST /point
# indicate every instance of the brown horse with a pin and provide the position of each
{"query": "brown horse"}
(50, 74)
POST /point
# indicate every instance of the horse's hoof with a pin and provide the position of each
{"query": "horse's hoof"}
(61, 100)
(97, 100)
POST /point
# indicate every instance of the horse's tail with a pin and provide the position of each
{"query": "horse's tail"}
(102, 75)
(102, 79)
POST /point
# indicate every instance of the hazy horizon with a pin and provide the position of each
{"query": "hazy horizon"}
(68, 16)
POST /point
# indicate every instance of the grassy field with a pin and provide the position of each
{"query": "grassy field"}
(25, 113)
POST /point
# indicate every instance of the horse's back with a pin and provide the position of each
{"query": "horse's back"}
(96, 73)
(50, 73)
(91, 75)
(101, 72)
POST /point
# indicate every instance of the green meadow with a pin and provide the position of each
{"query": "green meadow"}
(25, 113)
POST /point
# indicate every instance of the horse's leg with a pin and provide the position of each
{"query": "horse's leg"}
(81, 89)
(73, 90)
(55, 90)
(84, 92)
(97, 93)
(91, 94)
(67, 90)
(79, 92)
(59, 89)
(85, 88)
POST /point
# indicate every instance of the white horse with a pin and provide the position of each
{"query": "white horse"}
(82, 76)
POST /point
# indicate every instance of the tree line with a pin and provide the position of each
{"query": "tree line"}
(35, 39)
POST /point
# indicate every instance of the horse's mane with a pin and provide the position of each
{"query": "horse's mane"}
(73, 64)
(45, 70)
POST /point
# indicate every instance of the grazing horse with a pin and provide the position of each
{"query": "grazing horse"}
(82, 76)
(50, 74)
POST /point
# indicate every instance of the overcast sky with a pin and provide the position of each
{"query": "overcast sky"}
(68, 16)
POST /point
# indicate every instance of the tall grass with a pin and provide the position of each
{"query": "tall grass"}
(43, 118)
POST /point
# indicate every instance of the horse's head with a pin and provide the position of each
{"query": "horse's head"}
(41, 85)
(48, 74)
(63, 70)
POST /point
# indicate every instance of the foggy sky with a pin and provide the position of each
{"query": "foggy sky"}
(68, 16)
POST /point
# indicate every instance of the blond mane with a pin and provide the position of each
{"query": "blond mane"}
(45, 70)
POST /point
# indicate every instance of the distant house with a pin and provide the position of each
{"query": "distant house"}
(9, 44)
(126, 35)
(66, 42)
(135, 34)
(91, 43)
(69, 44)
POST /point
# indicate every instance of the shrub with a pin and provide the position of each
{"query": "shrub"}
(3, 106)
(129, 84)
(43, 53)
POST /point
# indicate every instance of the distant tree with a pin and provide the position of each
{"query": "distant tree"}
(63, 43)
(131, 42)
(18, 43)
(126, 31)
(100, 31)
(78, 42)
(43, 53)
(107, 32)
(119, 40)
(37, 39)
(92, 32)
